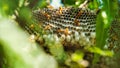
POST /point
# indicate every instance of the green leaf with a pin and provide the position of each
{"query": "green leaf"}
(104, 19)
(110, 8)
(77, 56)
(101, 32)
(101, 52)
(7, 7)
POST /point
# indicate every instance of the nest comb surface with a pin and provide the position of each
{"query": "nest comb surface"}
(113, 41)
(77, 23)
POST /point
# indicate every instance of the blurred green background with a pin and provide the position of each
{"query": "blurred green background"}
(18, 50)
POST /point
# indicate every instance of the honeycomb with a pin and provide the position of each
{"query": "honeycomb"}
(113, 41)
(71, 24)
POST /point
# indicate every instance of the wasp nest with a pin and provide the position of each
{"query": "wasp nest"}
(73, 25)
(113, 41)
